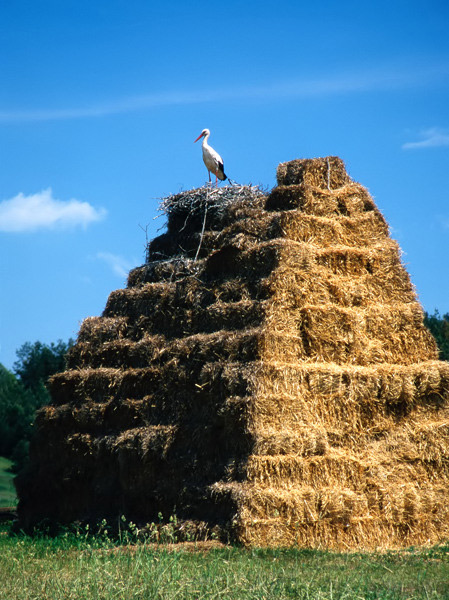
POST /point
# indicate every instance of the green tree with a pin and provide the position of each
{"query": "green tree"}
(37, 362)
(439, 327)
(16, 412)
(23, 393)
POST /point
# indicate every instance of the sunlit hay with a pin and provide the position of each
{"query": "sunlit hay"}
(340, 289)
(348, 201)
(331, 469)
(364, 336)
(336, 517)
(430, 441)
(347, 394)
(363, 229)
(341, 275)
(267, 370)
(329, 172)
(299, 441)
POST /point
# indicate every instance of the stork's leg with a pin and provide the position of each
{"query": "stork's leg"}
(208, 172)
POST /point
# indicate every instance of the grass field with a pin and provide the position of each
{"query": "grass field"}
(7, 490)
(84, 567)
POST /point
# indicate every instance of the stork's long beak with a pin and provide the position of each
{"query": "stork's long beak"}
(199, 137)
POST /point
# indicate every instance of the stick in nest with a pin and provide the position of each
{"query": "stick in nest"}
(206, 198)
(217, 198)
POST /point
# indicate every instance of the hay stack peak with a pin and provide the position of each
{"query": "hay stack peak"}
(266, 371)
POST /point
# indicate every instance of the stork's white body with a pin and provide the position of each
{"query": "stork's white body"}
(211, 158)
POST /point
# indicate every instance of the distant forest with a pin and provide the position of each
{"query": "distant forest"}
(439, 326)
(23, 391)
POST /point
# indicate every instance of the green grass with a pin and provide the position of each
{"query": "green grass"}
(83, 567)
(7, 491)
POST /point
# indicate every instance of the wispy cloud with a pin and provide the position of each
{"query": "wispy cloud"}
(430, 138)
(120, 105)
(386, 78)
(119, 265)
(42, 211)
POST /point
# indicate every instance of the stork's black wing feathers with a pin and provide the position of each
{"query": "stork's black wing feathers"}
(220, 172)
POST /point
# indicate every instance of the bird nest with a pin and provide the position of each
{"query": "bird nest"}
(187, 213)
(207, 197)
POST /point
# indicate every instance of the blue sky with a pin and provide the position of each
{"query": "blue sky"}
(101, 100)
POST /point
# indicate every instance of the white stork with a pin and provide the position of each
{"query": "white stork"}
(212, 160)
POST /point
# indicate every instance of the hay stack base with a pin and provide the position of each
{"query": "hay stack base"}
(266, 373)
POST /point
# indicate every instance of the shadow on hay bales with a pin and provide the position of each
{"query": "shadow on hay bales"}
(266, 371)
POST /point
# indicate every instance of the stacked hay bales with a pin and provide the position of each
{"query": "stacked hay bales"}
(267, 371)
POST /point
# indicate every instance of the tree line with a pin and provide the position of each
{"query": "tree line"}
(23, 390)
(439, 327)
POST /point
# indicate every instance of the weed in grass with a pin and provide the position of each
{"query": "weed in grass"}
(82, 566)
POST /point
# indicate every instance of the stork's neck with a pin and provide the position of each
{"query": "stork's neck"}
(205, 138)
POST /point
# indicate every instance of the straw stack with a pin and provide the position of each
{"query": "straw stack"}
(266, 371)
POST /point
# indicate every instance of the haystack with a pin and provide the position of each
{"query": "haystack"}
(267, 372)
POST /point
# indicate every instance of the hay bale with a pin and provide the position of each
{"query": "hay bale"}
(266, 371)
(329, 172)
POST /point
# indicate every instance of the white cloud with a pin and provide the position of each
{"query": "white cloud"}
(119, 265)
(38, 211)
(431, 138)
(383, 78)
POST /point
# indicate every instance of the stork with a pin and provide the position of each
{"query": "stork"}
(212, 160)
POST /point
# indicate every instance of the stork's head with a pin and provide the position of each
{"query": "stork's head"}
(202, 134)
